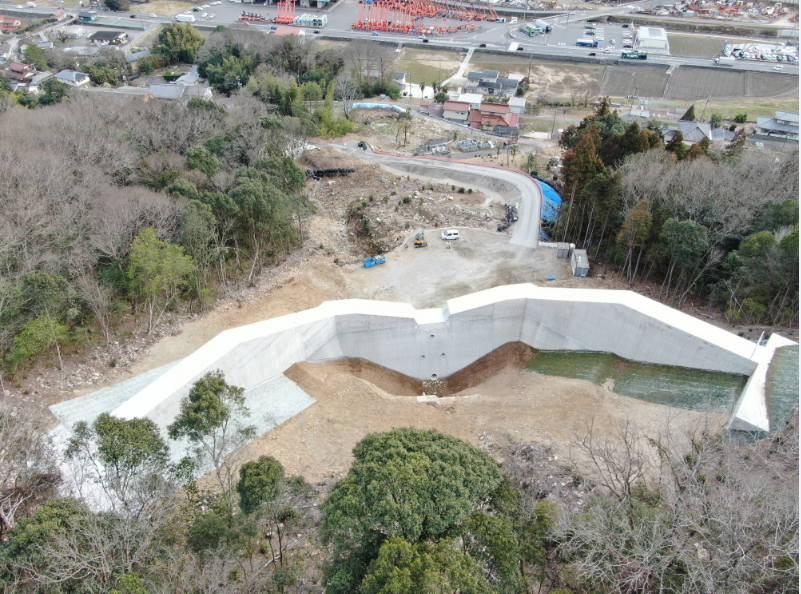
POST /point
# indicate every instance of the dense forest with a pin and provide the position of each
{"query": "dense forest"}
(111, 207)
(718, 224)
(110, 202)
(678, 510)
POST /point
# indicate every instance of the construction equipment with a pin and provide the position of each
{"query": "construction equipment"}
(420, 240)
(375, 261)
(251, 17)
(286, 12)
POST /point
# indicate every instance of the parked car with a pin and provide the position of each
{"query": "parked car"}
(450, 234)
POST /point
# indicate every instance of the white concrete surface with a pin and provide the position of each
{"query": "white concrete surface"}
(439, 342)
(751, 411)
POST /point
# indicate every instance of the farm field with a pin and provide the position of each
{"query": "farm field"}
(688, 83)
(644, 81)
(426, 65)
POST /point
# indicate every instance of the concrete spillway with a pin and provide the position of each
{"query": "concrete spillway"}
(436, 343)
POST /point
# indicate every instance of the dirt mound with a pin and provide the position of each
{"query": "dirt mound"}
(512, 356)
(387, 380)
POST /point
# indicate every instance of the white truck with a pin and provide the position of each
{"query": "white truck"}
(724, 61)
(185, 18)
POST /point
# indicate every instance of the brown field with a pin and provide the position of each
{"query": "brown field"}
(690, 83)
(648, 81)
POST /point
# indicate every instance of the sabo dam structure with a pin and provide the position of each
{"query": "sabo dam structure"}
(433, 344)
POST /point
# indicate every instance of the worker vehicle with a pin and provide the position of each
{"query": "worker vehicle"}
(420, 240)
(450, 234)
(725, 61)
(635, 55)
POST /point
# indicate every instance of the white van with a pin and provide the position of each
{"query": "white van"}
(450, 234)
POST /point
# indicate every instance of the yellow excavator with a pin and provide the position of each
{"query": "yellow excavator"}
(420, 240)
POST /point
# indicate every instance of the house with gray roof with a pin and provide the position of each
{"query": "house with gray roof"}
(489, 83)
(73, 78)
(784, 125)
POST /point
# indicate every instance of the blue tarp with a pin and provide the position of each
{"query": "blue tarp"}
(551, 201)
(376, 106)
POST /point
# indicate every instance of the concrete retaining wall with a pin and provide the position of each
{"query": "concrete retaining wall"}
(439, 342)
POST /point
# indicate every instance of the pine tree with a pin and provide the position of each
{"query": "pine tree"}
(689, 115)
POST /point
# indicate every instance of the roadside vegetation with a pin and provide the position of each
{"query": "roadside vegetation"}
(721, 225)
(418, 511)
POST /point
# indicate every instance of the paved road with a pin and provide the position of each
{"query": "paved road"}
(567, 28)
(526, 232)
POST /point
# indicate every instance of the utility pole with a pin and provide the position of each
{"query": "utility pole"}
(553, 127)
(704, 111)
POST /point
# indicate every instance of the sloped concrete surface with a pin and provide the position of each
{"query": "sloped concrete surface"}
(439, 342)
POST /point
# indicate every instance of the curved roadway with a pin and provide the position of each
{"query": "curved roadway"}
(526, 231)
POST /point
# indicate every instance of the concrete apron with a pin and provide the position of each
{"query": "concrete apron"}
(435, 343)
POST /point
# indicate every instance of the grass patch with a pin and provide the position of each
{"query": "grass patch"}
(424, 65)
(698, 46)
(753, 107)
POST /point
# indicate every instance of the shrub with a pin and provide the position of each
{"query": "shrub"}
(740, 118)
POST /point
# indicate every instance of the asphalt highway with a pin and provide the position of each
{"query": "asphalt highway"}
(567, 28)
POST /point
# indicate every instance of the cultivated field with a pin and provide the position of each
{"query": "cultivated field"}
(644, 81)
(688, 83)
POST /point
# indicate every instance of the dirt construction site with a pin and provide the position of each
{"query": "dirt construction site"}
(494, 400)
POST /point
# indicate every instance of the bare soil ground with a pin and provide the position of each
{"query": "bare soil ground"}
(549, 80)
(502, 399)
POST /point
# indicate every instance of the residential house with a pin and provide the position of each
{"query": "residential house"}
(45, 45)
(9, 24)
(517, 105)
(399, 78)
(474, 99)
(692, 132)
(108, 37)
(456, 111)
(489, 83)
(19, 72)
(784, 125)
(59, 14)
(38, 78)
(496, 118)
(73, 78)
(5, 51)
(87, 16)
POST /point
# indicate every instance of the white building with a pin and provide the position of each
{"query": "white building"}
(474, 99)
(73, 78)
(653, 40)
(517, 105)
